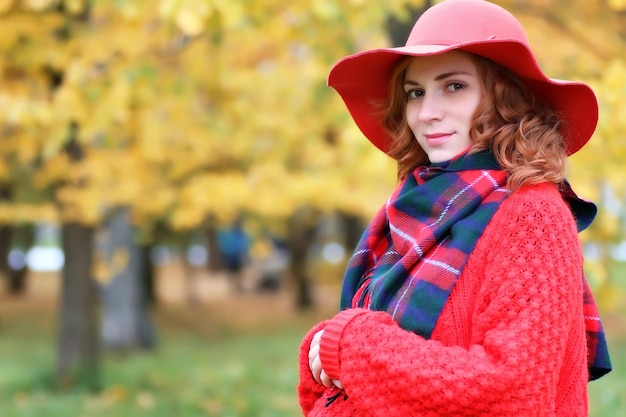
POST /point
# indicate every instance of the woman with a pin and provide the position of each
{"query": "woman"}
(465, 296)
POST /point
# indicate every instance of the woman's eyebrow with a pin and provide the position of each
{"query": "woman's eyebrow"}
(450, 74)
(440, 77)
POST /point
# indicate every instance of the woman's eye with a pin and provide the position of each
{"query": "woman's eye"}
(455, 86)
(414, 93)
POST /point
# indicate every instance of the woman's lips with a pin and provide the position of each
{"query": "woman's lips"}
(434, 139)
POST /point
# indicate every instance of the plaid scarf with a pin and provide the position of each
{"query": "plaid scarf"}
(414, 250)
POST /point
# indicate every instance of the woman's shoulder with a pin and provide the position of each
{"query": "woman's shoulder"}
(536, 199)
(533, 223)
(538, 208)
(542, 191)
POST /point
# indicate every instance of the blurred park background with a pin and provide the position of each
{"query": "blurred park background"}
(179, 193)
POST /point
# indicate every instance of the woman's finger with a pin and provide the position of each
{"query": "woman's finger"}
(313, 353)
(316, 369)
(326, 381)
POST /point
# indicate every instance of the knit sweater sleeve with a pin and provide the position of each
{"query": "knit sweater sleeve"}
(309, 390)
(530, 297)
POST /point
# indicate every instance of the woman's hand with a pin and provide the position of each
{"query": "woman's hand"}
(315, 363)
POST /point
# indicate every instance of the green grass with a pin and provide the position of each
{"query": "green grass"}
(205, 369)
(222, 373)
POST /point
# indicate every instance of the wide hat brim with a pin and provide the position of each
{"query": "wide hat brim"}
(362, 80)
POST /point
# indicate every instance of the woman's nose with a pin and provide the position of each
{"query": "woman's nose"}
(431, 108)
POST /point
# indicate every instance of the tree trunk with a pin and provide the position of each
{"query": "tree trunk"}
(148, 275)
(78, 350)
(302, 233)
(18, 281)
(215, 261)
(353, 229)
(6, 233)
(15, 278)
(126, 324)
(25, 236)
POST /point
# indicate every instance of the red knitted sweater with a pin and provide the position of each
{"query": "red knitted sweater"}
(509, 342)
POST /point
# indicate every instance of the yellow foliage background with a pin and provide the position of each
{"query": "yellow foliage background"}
(184, 109)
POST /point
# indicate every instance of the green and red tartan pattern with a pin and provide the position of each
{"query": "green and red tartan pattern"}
(598, 359)
(414, 250)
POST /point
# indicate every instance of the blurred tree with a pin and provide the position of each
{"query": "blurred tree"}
(15, 240)
(188, 113)
(178, 110)
(77, 344)
(125, 322)
(301, 232)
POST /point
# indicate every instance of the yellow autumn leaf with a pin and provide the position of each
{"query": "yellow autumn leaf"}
(324, 9)
(167, 8)
(120, 259)
(618, 5)
(231, 12)
(150, 135)
(39, 5)
(81, 204)
(74, 7)
(101, 270)
(130, 10)
(4, 170)
(114, 394)
(186, 218)
(191, 17)
(27, 213)
(610, 297)
(54, 169)
(6, 5)
(67, 104)
(161, 199)
(596, 273)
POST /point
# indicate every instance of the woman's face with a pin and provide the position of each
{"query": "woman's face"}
(442, 93)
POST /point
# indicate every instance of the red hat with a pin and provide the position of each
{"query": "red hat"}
(474, 26)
